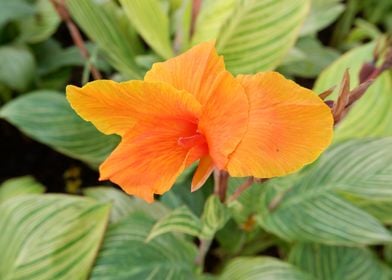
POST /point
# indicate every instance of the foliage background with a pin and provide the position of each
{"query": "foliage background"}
(332, 220)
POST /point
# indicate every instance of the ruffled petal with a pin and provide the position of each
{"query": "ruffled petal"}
(149, 158)
(116, 107)
(201, 71)
(289, 126)
(194, 71)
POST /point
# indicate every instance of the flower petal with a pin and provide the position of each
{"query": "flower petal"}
(149, 158)
(194, 71)
(116, 107)
(201, 72)
(289, 126)
(203, 171)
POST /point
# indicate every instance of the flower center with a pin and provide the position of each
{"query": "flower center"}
(191, 141)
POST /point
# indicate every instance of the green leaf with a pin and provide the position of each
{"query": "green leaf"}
(213, 14)
(42, 25)
(63, 130)
(312, 210)
(151, 22)
(123, 205)
(308, 58)
(255, 268)
(335, 263)
(125, 255)
(15, 9)
(105, 23)
(180, 220)
(50, 236)
(322, 13)
(362, 120)
(19, 186)
(17, 67)
(215, 216)
(259, 34)
(382, 210)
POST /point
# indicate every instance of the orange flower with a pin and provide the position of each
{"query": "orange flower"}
(190, 108)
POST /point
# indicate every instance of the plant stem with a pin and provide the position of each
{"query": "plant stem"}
(204, 246)
(221, 179)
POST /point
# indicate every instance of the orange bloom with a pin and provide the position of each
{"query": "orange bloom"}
(190, 108)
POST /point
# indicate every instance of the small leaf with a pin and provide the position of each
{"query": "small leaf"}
(255, 268)
(335, 263)
(17, 67)
(64, 130)
(123, 205)
(50, 236)
(180, 220)
(151, 22)
(125, 255)
(259, 34)
(215, 216)
(20, 186)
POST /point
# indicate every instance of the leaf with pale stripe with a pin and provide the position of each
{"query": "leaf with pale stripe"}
(215, 215)
(126, 256)
(180, 220)
(47, 117)
(151, 22)
(20, 186)
(123, 204)
(255, 268)
(336, 263)
(312, 209)
(50, 236)
(371, 115)
(259, 34)
(105, 23)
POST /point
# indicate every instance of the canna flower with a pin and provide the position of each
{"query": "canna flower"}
(188, 109)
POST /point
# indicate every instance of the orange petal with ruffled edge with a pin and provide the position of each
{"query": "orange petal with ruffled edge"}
(203, 171)
(289, 126)
(149, 158)
(201, 71)
(116, 107)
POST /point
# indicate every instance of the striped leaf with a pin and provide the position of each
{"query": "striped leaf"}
(371, 115)
(105, 23)
(312, 209)
(20, 186)
(215, 216)
(336, 263)
(122, 205)
(180, 220)
(213, 14)
(255, 268)
(63, 130)
(258, 34)
(151, 22)
(382, 210)
(50, 236)
(126, 255)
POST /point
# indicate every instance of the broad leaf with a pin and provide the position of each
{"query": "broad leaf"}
(151, 22)
(336, 263)
(63, 129)
(50, 236)
(180, 220)
(259, 33)
(255, 268)
(322, 13)
(122, 205)
(15, 9)
(20, 186)
(105, 23)
(17, 67)
(40, 26)
(312, 210)
(362, 120)
(126, 255)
